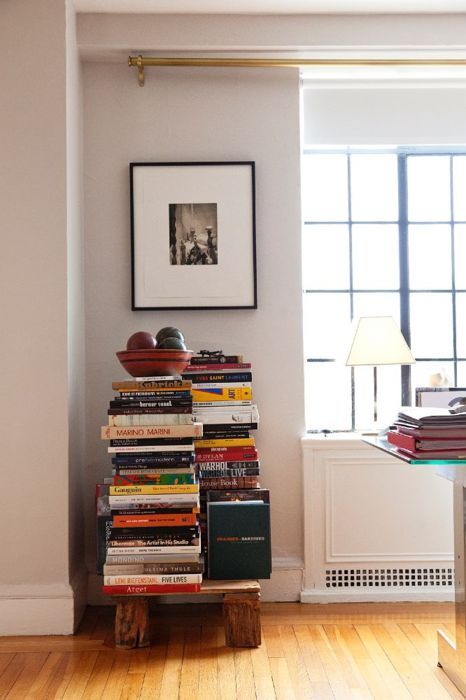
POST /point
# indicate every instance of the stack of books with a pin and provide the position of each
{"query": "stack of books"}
(429, 433)
(226, 457)
(153, 542)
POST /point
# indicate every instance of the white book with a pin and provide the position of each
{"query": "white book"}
(130, 419)
(182, 499)
(170, 549)
(140, 559)
(151, 448)
(150, 579)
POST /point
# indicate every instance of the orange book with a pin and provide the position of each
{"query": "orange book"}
(155, 520)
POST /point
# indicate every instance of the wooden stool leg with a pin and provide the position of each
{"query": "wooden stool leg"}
(132, 623)
(241, 618)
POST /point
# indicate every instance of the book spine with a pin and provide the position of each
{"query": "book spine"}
(166, 500)
(142, 470)
(215, 466)
(141, 569)
(226, 454)
(149, 489)
(148, 385)
(227, 473)
(130, 402)
(214, 367)
(220, 377)
(130, 521)
(161, 460)
(141, 432)
(147, 590)
(152, 479)
(405, 441)
(176, 549)
(220, 402)
(127, 420)
(118, 559)
(215, 359)
(225, 442)
(237, 482)
(139, 449)
(224, 388)
(150, 579)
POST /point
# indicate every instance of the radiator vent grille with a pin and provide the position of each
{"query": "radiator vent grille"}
(388, 578)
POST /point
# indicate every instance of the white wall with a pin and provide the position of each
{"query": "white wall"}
(192, 115)
(35, 596)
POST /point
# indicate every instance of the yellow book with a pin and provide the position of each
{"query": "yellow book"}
(150, 489)
(221, 394)
(226, 442)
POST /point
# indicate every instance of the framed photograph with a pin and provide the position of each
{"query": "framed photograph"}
(441, 397)
(193, 238)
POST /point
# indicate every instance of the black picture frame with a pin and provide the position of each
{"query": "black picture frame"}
(193, 235)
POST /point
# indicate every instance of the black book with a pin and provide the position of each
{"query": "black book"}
(142, 533)
(239, 545)
(153, 459)
(127, 442)
(238, 495)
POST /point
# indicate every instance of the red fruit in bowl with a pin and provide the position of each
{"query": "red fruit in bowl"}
(142, 340)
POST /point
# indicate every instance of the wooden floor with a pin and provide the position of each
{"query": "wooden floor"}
(308, 651)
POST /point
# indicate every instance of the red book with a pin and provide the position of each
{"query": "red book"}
(152, 589)
(414, 444)
(227, 454)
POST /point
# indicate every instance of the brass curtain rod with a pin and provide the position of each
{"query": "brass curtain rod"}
(140, 62)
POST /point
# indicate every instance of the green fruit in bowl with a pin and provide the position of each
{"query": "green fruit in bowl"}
(169, 332)
(171, 343)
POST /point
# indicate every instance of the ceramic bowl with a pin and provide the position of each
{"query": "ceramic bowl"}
(154, 362)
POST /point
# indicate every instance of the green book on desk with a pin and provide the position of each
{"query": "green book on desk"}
(239, 540)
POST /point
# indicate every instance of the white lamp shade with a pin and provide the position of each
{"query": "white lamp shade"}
(377, 340)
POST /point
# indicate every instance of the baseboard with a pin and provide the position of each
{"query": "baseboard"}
(429, 594)
(284, 586)
(37, 610)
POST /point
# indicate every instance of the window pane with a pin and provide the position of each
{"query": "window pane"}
(325, 315)
(388, 395)
(325, 187)
(428, 188)
(325, 257)
(461, 374)
(429, 257)
(375, 257)
(461, 324)
(459, 188)
(374, 187)
(422, 372)
(431, 325)
(328, 396)
(377, 305)
(460, 256)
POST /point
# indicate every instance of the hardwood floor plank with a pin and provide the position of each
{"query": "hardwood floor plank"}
(208, 663)
(98, 679)
(49, 677)
(245, 688)
(271, 638)
(171, 676)
(368, 670)
(348, 668)
(226, 668)
(117, 675)
(31, 667)
(262, 673)
(10, 673)
(315, 670)
(295, 662)
(5, 659)
(336, 678)
(381, 660)
(132, 686)
(189, 681)
(155, 665)
(80, 676)
(281, 679)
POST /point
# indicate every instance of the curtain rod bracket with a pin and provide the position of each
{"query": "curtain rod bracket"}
(138, 62)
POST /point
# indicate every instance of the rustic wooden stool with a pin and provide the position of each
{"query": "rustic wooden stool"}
(241, 615)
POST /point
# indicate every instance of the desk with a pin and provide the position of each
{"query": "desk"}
(451, 654)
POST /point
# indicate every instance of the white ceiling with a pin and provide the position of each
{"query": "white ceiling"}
(271, 6)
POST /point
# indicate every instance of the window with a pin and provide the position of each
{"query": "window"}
(384, 234)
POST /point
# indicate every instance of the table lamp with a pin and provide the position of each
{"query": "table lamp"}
(377, 340)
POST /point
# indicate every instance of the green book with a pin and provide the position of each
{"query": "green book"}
(239, 540)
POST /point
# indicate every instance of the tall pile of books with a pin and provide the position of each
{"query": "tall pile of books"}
(429, 433)
(153, 543)
(226, 457)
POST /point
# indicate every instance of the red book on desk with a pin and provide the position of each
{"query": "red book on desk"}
(427, 448)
